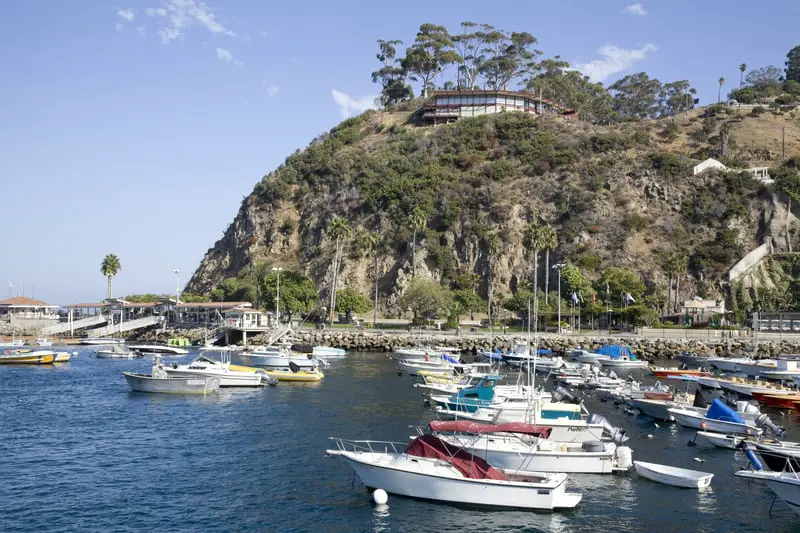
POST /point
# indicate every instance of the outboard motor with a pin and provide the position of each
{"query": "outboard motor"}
(560, 394)
(613, 375)
(764, 422)
(617, 435)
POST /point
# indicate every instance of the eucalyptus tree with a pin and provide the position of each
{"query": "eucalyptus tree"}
(431, 52)
(339, 231)
(110, 267)
(391, 76)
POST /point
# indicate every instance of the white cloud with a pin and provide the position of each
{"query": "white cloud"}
(272, 90)
(635, 9)
(118, 26)
(180, 15)
(614, 59)
(348, 104)
(224, 55)
(127, 14)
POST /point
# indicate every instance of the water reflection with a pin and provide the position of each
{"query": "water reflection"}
(380, 519)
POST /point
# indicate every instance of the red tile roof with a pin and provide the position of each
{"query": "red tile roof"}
(22, 301)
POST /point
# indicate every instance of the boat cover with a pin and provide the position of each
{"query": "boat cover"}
(465, 426)
(451, 360)
(615, 351)
(720, 411)
(469, 465)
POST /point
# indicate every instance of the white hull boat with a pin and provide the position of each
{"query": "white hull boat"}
(116, 351)
(563, 430)
(691, 418)
(413, 366)
(584, 356)
(670, 475)
(204, 366)
(192, 385)
(411, 353)
(727, 364)
(720, 440)
(163, 349)
(624, 363)
(328, 351)
(525, 453)
(786, 485)
(16, 343)
(278, 360)
(44, 342)
(101, 341)
(757, 367)
(658, 409)
(435, 477)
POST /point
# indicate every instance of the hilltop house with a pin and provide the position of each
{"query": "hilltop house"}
(449, 106)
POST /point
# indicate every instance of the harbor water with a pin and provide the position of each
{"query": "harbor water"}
(83, 453)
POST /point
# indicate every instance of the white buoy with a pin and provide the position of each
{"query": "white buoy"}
(649, 436)
(380, 497)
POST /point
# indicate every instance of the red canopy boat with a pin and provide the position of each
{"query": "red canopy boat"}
(666, 372)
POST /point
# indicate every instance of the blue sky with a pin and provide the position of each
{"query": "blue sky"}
(137, 126)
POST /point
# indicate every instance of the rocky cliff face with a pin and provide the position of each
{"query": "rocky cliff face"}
(617, 196)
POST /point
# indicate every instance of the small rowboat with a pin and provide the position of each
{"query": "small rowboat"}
(667, 372)
(302, 376)
(658, 395)
(720, 440)
(670, 475)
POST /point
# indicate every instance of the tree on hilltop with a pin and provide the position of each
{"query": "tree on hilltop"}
(431, 52)
(793, 64)
(636, 97)
(391, 76)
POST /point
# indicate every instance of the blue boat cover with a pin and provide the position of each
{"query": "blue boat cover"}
(615, 351)
(544, 351)
(720, 411)
(450, 359)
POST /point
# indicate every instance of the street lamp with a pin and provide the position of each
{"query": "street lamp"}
(177, 283)
(277, 270)
(558, 267)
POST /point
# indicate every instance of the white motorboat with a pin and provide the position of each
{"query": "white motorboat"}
(620, 356)
(14, 343)
(434, 470)
(728, 364)
(446, 349)
(411, 353)
(786, 485)
(163, 349)
(746, 388)
(693, 360)
(658, 409)
(525, 448)
(670, 475)
(756, 367)
(229, 376)
(159, 382)
(720, 440)
(116, 351)
(786, 369)
(328, 351)
(585, 356)
(718, 418)
(101, 341)
(277, 357)
(433, 366)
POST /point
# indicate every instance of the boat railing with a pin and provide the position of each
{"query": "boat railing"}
(371, 446)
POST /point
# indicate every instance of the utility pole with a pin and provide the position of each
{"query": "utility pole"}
(278, 270)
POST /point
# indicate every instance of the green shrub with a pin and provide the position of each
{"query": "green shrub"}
(668, 165)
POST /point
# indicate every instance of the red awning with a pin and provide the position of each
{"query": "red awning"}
(469, 465)
(465, 426)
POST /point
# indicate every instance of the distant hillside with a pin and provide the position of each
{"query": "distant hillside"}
(617, 196)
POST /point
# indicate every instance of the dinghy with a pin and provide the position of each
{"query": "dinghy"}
(720, 440)
(670, 475)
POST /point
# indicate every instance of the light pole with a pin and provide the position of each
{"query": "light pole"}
(277, 270)
(558, 267)
(177, 283)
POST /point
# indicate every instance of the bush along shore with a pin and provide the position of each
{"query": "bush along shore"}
(375, 341)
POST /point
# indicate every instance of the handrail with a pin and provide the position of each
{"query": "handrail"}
(346, 445)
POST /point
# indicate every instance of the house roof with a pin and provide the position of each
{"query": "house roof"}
(85, 306)
(213, 305)
(22, 301)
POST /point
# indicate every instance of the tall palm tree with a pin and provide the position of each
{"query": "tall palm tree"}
(110, 267)
(371, 242)
(681, 267)
(493, 245)
(671, 267)
(742, 70)
(338, 230)
(533, 242)
(719, 90)
(416, 221)
(549, 241)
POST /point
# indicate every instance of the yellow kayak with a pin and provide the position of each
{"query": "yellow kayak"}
(301, 376)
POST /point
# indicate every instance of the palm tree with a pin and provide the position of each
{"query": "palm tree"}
(338, 230)
(719, 90)
(742, 70)
(371, 241)
(533, 242)
(671, 268)
(548, 241)
(110, 267)
(416, 221)
(493, 245)
(681, 267)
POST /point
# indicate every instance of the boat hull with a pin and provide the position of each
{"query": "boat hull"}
(193, 385)
(657, 409)
(277, 361)
(785, 485)
(487, 493)
(28, 359)
(226, 379)
(729, 442)
(619, 363)
(677, 477)
(695, 421)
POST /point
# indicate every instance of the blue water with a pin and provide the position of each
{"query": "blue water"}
(82, 453)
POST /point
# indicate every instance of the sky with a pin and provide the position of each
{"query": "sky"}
(136, 127)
